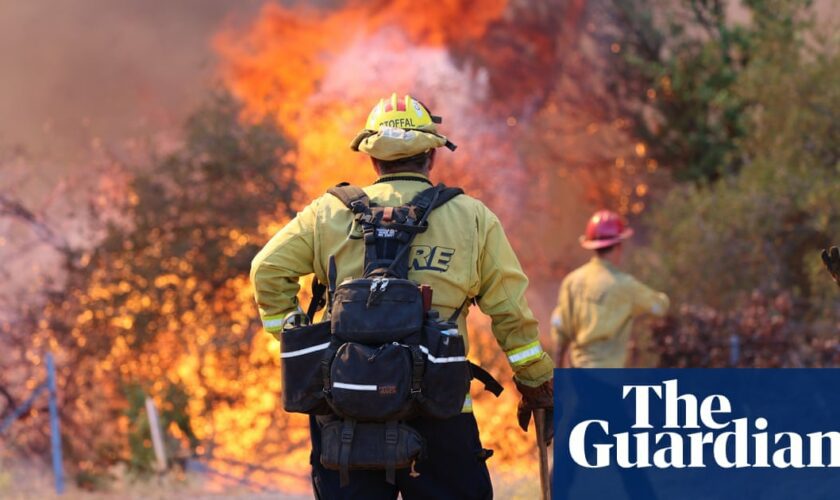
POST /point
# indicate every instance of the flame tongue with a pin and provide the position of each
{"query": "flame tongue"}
(319, 73)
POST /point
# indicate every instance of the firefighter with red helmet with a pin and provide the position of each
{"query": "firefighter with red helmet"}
(598, 302)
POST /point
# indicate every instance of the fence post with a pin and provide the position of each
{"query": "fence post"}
(734, 349)
(157, 435)
(55, 430)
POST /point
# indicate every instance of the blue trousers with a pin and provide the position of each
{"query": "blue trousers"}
(453, 467)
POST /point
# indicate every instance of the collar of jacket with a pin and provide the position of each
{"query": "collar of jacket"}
(603, 262)
(403, 176)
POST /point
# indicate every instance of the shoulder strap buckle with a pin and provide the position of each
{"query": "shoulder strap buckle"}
(358, 206)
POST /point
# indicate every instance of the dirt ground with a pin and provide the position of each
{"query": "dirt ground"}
(26, 480)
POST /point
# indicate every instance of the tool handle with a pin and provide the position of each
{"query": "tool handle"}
(426, 293)
(539, 423)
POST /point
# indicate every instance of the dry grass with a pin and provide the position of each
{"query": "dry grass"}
(515, 486)
(25, 480)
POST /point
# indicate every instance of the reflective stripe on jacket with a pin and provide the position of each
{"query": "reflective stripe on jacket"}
(595, 310)
(464, 254)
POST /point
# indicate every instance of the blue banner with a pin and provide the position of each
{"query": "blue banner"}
(697, 434)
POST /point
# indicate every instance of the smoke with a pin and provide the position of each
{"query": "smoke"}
(100, 71)
(107, 69)
(78, 75)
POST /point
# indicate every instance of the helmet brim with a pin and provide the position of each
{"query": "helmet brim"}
(386, 147)
(606, 242)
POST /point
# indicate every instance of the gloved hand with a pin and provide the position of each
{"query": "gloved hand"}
(831, 257)
(534, 398)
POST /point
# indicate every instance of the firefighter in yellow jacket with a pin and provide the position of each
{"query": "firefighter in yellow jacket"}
(597, 302)
(464, 254)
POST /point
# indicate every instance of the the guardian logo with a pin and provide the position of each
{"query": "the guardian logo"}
(695, 433)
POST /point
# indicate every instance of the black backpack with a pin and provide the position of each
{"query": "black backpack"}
(386, 356)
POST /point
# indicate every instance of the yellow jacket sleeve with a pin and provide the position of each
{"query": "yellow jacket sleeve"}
(276, 269)
(647, 300)
(502, 297)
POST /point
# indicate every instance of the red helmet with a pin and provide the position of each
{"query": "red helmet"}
(604, 229)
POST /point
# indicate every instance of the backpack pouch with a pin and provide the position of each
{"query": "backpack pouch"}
(446, 381)
(301, 351)
(368, 450)
(377, 310)
(371, 382)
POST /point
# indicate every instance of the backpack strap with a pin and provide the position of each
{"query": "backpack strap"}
(391, 438)
(423, 203)
(348, 428)
(446, 194)
(483, 376)
(332, 276)
(477, 372)
(319, 299)
(457, 312)
(429, 199)
(353, 197)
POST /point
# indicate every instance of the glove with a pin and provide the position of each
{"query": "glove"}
(831, 257)
(534, 398)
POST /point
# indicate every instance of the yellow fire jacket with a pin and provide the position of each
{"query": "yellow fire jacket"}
(595, 311)
(464, 254)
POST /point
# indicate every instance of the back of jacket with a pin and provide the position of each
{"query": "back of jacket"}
(463, 255)
(595, 311)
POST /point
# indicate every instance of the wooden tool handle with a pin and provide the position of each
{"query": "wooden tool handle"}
(539, 423)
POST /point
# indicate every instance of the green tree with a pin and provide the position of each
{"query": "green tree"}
(683, 73)
(680, 64)
(762, 228)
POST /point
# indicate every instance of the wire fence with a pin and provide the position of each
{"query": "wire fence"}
(48, 386)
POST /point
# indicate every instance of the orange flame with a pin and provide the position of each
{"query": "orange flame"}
(318, 74)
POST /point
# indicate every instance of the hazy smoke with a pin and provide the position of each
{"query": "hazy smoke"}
(77, 70)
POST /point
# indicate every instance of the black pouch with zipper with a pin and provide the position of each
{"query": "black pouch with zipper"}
(377, 310)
